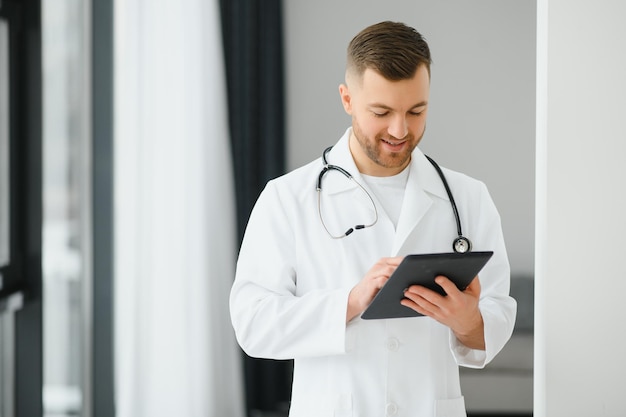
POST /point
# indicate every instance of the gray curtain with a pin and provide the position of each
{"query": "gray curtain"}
(254, 66)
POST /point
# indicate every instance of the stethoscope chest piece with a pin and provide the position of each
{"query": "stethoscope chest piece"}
(461, 245)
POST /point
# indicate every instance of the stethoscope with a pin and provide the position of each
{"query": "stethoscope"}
(460, 244)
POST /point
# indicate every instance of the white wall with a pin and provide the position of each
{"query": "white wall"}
(482, 114)
(580, 329)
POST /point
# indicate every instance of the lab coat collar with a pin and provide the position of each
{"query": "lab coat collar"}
(422, 185)
(424, 176)
(341, 156)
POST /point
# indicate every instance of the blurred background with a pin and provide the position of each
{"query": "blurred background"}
(135, 137)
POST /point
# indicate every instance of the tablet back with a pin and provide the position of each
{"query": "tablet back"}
(422, 270)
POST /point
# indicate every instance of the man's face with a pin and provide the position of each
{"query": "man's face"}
(388, 119)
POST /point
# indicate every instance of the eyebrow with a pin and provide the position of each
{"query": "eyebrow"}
(384, 106)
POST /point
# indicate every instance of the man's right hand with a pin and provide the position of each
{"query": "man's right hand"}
(364, 292)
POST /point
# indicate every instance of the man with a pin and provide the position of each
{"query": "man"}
(302, 281)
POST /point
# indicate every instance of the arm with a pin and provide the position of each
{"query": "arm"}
(272, 318)
(481, 318)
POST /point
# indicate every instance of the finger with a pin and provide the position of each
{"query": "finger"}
(381, 281)
(420, 304)
(391, 264)
(425, 293)
(474, 286)
(424, 297)
(394, 261)
(386, 269)
(385, 266)
(448, 286)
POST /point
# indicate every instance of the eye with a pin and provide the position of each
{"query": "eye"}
(383, 114)
(416, 112)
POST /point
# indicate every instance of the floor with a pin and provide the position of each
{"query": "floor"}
(499, 414)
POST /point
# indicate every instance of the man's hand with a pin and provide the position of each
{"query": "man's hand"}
(458, 310)
(364, 292)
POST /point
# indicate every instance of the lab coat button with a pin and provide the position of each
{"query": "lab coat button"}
(391, 409)
(393, 344)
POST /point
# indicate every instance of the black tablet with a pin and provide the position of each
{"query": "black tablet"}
(422, 270)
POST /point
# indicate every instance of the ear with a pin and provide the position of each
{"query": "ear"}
(346, 98)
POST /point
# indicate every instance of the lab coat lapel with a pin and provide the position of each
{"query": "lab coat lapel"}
(423, 183)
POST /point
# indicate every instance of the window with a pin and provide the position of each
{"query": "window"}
(66, 207)
(6, 319)
(4, 146)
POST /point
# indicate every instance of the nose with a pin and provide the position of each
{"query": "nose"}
(398, 128)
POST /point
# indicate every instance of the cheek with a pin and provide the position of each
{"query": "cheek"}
(418, 124)
(372, 125)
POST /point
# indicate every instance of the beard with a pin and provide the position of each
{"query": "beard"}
(372, 147)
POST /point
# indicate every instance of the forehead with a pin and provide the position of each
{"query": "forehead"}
(374, 89)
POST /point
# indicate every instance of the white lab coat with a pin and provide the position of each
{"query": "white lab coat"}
(292, 283)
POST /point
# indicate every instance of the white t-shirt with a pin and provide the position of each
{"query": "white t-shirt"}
(389, 192)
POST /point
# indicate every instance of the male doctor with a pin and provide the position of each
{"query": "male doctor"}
(302, 282)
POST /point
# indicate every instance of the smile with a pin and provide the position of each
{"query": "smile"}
(393, 144)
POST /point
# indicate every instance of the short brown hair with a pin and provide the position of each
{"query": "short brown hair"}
(393, 49)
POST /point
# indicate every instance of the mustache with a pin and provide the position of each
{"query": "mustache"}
(409, 137)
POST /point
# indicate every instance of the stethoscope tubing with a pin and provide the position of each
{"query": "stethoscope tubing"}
(449, 192)
(461, 244)
(329, 167)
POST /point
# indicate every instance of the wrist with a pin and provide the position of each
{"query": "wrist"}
(472, 334)
(353, 308)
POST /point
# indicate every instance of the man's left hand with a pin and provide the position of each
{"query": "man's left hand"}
(458, 310)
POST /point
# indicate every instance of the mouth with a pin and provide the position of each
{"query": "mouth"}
(394, 145)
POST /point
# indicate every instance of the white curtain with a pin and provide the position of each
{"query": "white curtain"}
(175, 235)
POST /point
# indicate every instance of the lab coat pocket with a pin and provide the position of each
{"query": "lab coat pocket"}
(451, 407)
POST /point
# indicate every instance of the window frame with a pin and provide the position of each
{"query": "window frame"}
(21, 296)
